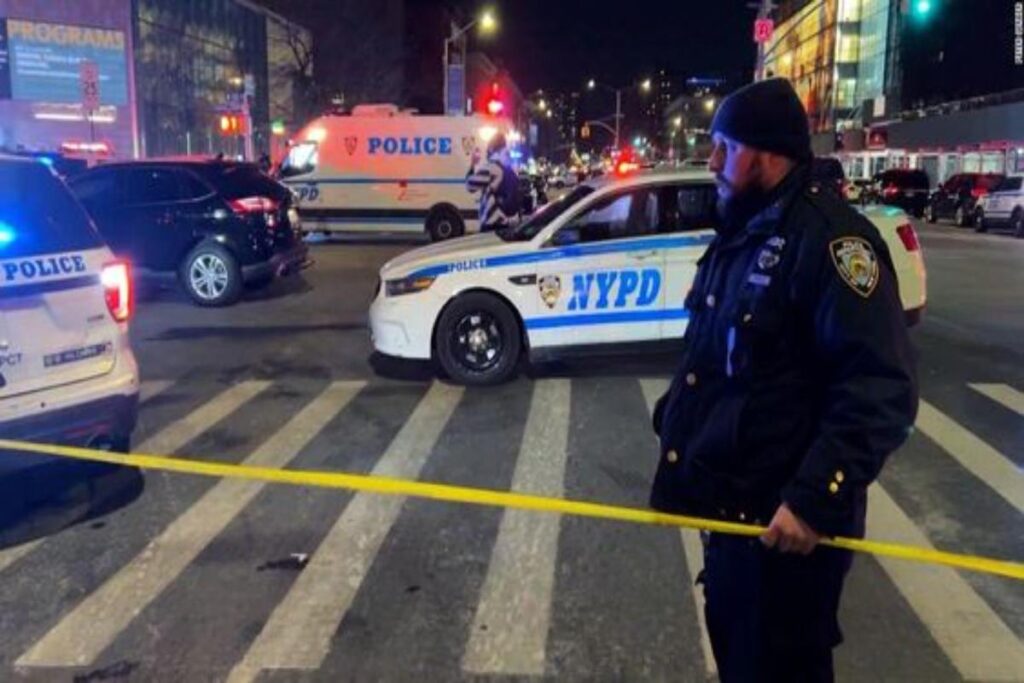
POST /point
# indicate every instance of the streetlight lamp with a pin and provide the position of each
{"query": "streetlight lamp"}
(709, 104)
(646, 85)
(542, 105)
(488, 24)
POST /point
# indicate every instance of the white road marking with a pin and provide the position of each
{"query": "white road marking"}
(9, 556)
(298, 633)
(693, 550)
(1001, 393)
(80, 637)
(972, 635)
(510, 631)
(998, 472)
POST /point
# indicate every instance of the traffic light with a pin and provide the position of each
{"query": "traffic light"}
(494, 105)
(919, 10)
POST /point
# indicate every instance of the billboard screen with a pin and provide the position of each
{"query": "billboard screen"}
(43, 62)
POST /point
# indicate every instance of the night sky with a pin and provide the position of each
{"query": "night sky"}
(558, 45)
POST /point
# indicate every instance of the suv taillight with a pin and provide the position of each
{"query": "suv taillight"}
(247, 205)
(890, 191)
(908, 237)
(116, 278)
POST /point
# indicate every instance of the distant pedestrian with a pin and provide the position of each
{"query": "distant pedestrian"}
(497, 184)
(797, 381)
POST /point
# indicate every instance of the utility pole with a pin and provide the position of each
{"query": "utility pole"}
(618, 114)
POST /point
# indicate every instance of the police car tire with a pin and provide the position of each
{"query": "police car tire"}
(233, 288)
(507, 324)
(979, 222)
(444, 224)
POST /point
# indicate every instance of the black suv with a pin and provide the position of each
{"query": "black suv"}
(906, 188)
(957, 197)
(218, 225)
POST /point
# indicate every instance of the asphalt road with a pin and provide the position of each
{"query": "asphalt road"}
(176, 578)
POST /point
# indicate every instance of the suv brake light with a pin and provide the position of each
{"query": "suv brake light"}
(890, 191)
(247, 205)
(116, 278)
(908, 237)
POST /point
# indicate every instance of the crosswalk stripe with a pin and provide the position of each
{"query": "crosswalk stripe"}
(693, 550)
(510, 630)
(971, 634)
(1001, 393)
(153, 388)
(9, 556)
(174, 436)
(83, 634)
(998, 472)
(299, 631)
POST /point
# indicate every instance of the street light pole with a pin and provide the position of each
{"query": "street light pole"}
(487, 23)
(618, 114)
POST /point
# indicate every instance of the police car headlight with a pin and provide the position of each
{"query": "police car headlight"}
(408, 285)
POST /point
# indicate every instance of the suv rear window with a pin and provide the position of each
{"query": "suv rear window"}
(234, 181)
(38, 215)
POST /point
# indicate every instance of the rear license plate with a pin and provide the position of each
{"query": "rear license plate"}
(74, 355)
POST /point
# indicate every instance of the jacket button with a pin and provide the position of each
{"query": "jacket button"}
(672, 456)
(840, 476)
(711, 300)
(833, 488)
(691, 379)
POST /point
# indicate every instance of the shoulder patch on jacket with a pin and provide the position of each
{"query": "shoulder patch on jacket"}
(855, 259)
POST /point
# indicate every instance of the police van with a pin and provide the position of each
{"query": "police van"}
(607, 265)
(383, 169)
(67, 371)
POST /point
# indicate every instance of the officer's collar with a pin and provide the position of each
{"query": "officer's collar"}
(779, 199)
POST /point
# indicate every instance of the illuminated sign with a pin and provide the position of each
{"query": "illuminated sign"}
(44, 62)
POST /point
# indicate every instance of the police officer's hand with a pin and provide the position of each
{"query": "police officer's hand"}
(789, 533)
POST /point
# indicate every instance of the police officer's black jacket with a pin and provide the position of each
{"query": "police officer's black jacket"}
(797, 377)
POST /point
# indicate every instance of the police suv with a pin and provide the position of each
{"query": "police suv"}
(607, 265)
(67, 372)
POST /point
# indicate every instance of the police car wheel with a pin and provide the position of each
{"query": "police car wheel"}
(979, 221)
(211, 276)
(478, 340)
(444, 224)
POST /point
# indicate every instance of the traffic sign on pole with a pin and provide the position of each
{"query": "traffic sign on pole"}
(763, 30)
(89, 80)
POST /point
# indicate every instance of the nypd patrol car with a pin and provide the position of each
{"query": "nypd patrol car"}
(609, 264)
(67, 371)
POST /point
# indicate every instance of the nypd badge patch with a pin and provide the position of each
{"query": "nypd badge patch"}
(857, 264)
(550, 289)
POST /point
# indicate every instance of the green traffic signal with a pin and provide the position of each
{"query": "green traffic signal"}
(922, 8)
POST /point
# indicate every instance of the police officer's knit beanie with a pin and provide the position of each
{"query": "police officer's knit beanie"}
(766, 115)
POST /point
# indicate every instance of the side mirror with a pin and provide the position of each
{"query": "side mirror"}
(566, 237)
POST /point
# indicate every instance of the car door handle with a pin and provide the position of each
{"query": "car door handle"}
(643, 255)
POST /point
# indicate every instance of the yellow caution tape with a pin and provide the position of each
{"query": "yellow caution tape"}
(502, 499)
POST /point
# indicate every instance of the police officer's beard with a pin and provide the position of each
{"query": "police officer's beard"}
(740, 206)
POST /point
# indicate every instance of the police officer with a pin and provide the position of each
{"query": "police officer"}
(497, 184)
(797, 381)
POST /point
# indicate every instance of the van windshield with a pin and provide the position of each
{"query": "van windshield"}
(302, 158)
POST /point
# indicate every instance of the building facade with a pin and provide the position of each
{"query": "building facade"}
(894, 84)
(167, 71)
(42, 45)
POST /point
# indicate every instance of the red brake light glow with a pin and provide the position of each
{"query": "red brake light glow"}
(247, 205)
(890, 190)
(908, 237)
(626, 167)
(978, 192)
(116, 278)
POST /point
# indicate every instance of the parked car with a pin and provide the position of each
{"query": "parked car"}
(217, 225)
(957, 197)
(829, 172)
(1003, 206)
(906, 188)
